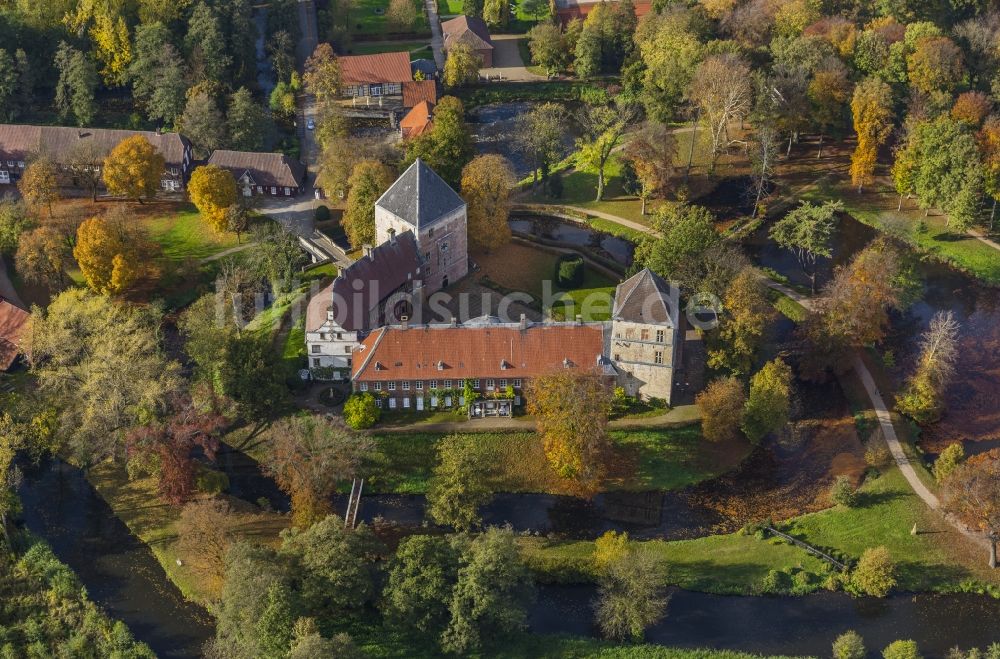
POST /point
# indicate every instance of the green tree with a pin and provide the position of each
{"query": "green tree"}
(807, 231)
(422, 578)
(461, 67)
(76, 85)
(746, 315)
(547, 45)
(368, 181)
(901, 650)
(686, 234)
(207, 327)
(875, 573)
(277, 257)
(603, 128)
(100, 364)
(159, 81)
(460, 484)
(361, 411)
(948, 461)
(496, 13)
(247, 122)
(769, 403)
(202, 123)
(249, 375)
(274, 628)
(334, 562)
(630, 595)
(540, 136)
(14, 221)
(447, 147)
(206, 45)
(491, 597)
(670, 49)
(849, 645)
(843, 492)
(8, 86)
(252, 571)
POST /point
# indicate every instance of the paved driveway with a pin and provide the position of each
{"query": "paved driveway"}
(507, 61)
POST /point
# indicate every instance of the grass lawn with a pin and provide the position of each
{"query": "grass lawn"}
(876, 207)
(937, 559)
(449, 7)
(269, 320)
(534, 266)
(368, 18)
(662, 459)
(787, 306)
(184, 235)
(137, 503)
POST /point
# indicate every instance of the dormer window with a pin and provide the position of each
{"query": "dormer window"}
(504, 365)
(440, 366)
(566, 362)
(379, 366)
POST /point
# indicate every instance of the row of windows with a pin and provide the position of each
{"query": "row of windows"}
(643, 335)
(318, 349)
(657, 357)
(446, 384)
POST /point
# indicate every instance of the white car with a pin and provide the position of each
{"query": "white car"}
(310, 124)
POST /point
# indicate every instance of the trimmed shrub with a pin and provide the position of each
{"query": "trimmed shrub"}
(775, 582)
(901, 650)
(569, 271)
(843, 492)
(875, 573)
(948, 461)
(322, 213)
(360, 411)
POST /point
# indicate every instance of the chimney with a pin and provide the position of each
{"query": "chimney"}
(454, 321)
(524, 322)
(579, 319)
(366, 250)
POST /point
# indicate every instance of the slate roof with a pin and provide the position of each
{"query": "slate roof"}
(267, 169)
(469, 30)
(13, 327)
(501, 351)
(360, 287)
(417, 121)
(367, 69)
(420, 197)
(646, 298)
(22, 141)
(416, 91)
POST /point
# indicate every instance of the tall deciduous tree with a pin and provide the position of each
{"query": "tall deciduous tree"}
(15, 220)
(459, 485)
(157, 73)
(43, 256)
(871, 107)
(571, 407)
(8, 86)
(686, 234)
(113, 47)
(670, 50)
(84, 159)
(540, 136)
(721, 404)
(723, 89)
(308, 456)
(101, 365)
(972, 492)
(461, 67)
(603, 127)
(202, 123)
(769, 403)
(491, 597)
(935, 65)
(401, 15)
(213, 190)
(547, 44)
(807, 231)
(923, 398)
(486, 185)
(828, 92)
(322, 75)
(39, 185)
(746, 315)
(652, 154)
(368, 181)
(631, 595)
(107, 252)
(422, 577)
(447, 147)
(247, 122)
(133, 169)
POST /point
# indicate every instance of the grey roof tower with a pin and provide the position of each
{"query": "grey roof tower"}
(420, 197)
(647, 298)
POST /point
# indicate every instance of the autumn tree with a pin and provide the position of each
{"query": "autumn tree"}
(603, 127)
(935, 65)
(828, 92)
(462, 66)
(670, 48)
(871, 107)
(722, 88)
(368, 181)
(322, 75)
(39, 185)
(133, 169)
(923, 397)
(460, 484)
(401, 15)
(807, 231)
(540, 136)
(548, 47)
(308, 456)
(631, 596)
(43, 256)
(972, 108)
(989, 144)
(447, 147)
(171, 441)
(769, 403)
(571, 408)
(972, 493)
(745, 317)
(486, 185)
(15, 220)
(100, 364)
(213, 190)
(84, 160)
(107, 252)
(875, 573)
(652, 154)
(205, 533)
(721, 404)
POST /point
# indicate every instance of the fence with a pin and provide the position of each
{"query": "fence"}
(809, 548)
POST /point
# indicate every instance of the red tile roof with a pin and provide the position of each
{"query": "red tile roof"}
(367, 69)
(415, 91)
(574, 10)
(463, 352)
(13, 327)
(417, 121)
(469, 30)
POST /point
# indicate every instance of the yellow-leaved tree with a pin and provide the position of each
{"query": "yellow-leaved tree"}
(133, 169)
(571, 406)
(108, 257)
(212, 191)
(486, 186)
(871, 107)
(38, 185)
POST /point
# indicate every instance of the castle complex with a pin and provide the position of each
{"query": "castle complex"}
(362, 327)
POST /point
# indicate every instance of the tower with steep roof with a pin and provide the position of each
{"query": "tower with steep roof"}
(420, 201)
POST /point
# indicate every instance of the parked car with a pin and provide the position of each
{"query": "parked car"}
(311, 125)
